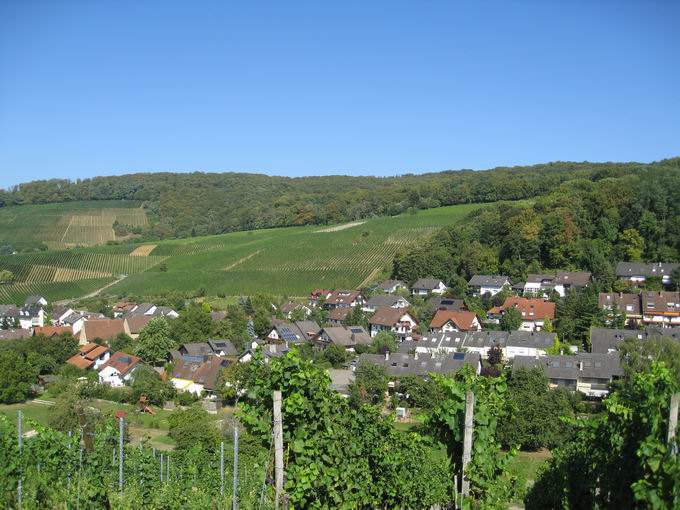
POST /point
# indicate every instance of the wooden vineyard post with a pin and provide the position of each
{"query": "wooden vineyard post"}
(467, 440)
(278, 447)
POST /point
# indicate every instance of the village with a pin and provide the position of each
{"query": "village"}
(379, 326)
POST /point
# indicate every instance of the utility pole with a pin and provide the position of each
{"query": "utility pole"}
(673, 421)
(278, 447)
(222, 468)
(234, 496)
(467, 440)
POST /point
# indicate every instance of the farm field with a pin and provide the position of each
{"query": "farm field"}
(67, 225)
(286, 261)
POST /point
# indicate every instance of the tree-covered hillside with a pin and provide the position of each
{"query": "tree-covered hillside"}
(191, 204)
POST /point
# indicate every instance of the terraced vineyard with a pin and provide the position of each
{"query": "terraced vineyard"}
(288, 261)
(67, 225)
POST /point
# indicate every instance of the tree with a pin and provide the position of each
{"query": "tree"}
(192, 325)
(146, 381)
(675, 278)
(631, 245)
(369, 386)
(122, 342)
(536, 420)
(384, 342)
(421, 393)
(233, 382)
(193, 428)
(16, 378)
(335, 355)
(637, 356)
(511, 319)
(154, 341)
(495, 355)
(6, 276)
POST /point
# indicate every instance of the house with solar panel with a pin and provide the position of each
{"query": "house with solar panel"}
(347, 337)
(292, 333)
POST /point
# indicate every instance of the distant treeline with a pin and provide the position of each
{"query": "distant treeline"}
(581, 225)
(191, 204)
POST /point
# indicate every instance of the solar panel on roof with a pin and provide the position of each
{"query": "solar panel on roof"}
(356, 330)
(458, 355)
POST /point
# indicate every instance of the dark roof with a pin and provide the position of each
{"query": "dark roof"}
(9, 311)
(628, 304)
(604, 340)
(535, 339)
(339, 314)
(402, 364)
(196, 349)
(426, 283)
(388, 284)
(660, 302)
(296, 332)
(573, 278)
(444, 303)
(585, 364)
(486, 339)
(489, 280)
(346, 336)
(628, 269)
(223, 346)
(33, 300)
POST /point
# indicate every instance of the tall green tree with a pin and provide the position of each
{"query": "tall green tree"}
(154, 341)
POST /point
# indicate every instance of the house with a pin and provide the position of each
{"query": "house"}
(223, 348)
(318, 296)
(31, 316)
(391, 286)
(104, 329)
(35, 301)
(152, 310)
(197, 376)
(395, 320)
(398, 365)
(293, 332)
(588, 373)
(426, 286)
(562, 282)
(51, 331)
(380, 300)
(607, 341)
(122, 308)
(118, 369)
(482, 342)
(89, 356)
(342, 336)
(288, 308)
(59, 313)
(482, 284)
(14, 334)
(268, 352)
(443, 303)
(134, 324)
(9, 316)
(660, 308)
(627, 304)
(534, 312)
(344, 298)
(636, 272)
(341, 379)
(434, 343)
(77, 319)
(528, 343)
(445, 321)
(338, 316)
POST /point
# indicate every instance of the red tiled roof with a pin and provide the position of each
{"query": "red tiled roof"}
(103, 328)
(531, 309)
(463, 320)
(52, 330)
(122, 362)
(339, 314)
(387, 316)
(80, 362)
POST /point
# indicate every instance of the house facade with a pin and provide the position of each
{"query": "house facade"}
(426, 286)
(482, 285)
(394, 320)
(445, 321)
(637, 272)
(118, 369)
(534, 312)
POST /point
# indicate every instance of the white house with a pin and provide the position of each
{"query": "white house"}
(395, 320)
(525, 343)
(380, 300)
(118, 369)
(482, 284)
(425, 286)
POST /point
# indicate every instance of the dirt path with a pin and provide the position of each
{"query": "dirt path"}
(370, 277)
(91, 294)
(338, 228)
(241, 261)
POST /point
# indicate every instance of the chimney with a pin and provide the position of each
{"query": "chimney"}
(387, 355)
(272, 348)
(415, 355)
(580, 365)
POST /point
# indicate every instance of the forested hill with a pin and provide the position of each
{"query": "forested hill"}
(189, 204)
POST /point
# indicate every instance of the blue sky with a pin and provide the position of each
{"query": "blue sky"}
(307, 88)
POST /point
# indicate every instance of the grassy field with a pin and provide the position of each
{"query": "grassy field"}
(69, 224)
(288, 261)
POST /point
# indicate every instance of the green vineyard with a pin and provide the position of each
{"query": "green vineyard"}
(289, 261)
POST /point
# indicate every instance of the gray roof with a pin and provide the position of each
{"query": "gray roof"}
(444, 303)
(585, 364)
(224, 346)
(33, 300)
(573, 278)
(492, 280)
(426, 283)
(402, 364)
(603, 340)
(9, 311)
(486, 339)
(346, 336)
(384, 300)
(535, 339)
(341, 379)
(628, 269)
(434, 342)
(388, 284)
(296, 332)
(14, 334)
(196, 349)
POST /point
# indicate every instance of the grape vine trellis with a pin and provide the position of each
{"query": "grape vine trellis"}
(58, 471)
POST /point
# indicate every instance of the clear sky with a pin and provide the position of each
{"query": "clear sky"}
(354, 87)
